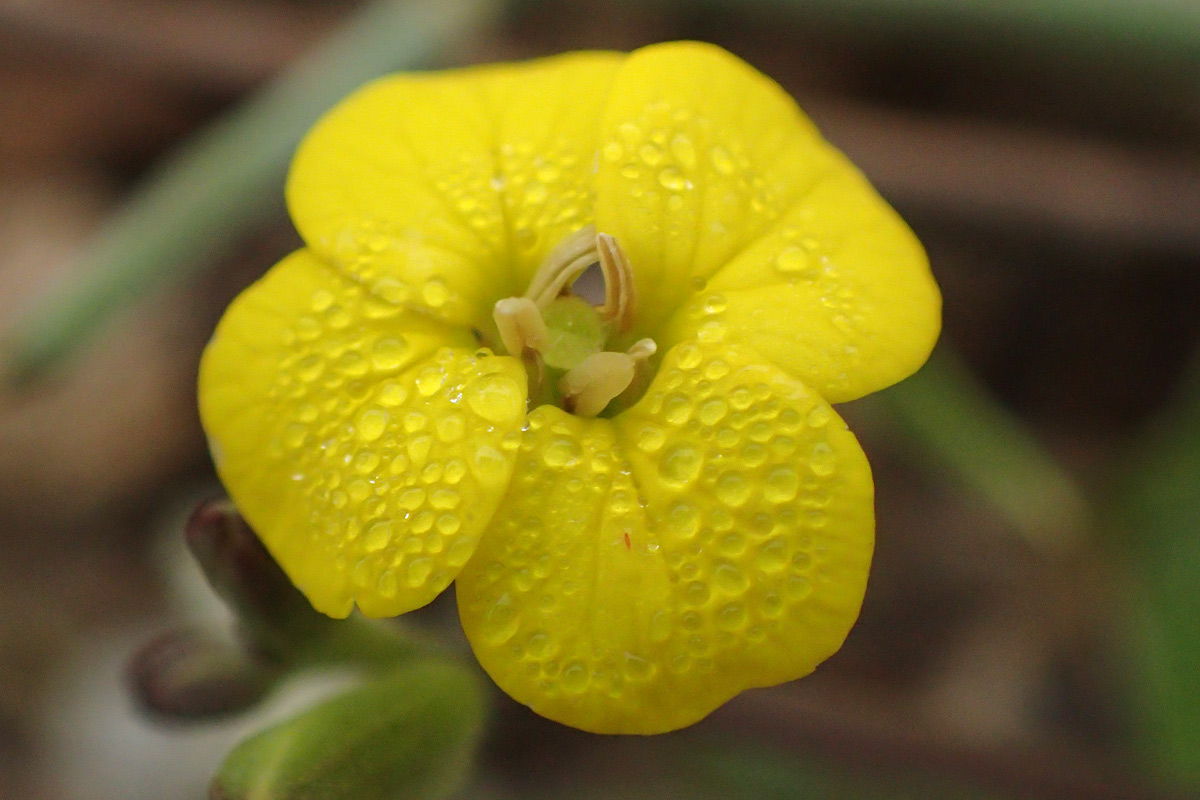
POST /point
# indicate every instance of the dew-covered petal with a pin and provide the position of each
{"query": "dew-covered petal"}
(446, 189)
(643, 570)
(700, 155)
(717, 186)
(838, 294)
(366, 445)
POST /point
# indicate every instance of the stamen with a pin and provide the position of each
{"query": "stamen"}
(601, 377)
(572, 258)
(563, 266)
(642, 349)
(618, 283)
(593, 384)
(521, 326)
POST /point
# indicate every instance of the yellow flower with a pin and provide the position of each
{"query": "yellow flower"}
(647, 502)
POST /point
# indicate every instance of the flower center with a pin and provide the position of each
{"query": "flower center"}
(561, 337)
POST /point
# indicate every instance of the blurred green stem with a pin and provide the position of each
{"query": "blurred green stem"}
(948, 412)
(227, 179)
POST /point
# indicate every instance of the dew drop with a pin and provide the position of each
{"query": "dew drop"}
(683, 150)
(371, 424)
(561, 453)
(378, 536)
(772, 556)
(411, 498)
(450, 428)
(733, 489)
(797, 587)
(721, 160)
(677, 409)
(417, 571)
(689, 356)
(681, 464)
(309, 368)
(650, 155)
(366, 461)
(792, 260)
(818, 416)
(455, 471)
(418, 448)
(781, 485)
(430, 380)
(821, 460)
(650, 439)
(444, 499)
(712, 411)
(321, 300)
(711, 331)
(574, 677)
(435, 293)
(729, 579)
(499, 622)
(496, 398)
(636, 668)
(388, 353)
(392, 394)
(490, 464)
(716, 370)
(683, 520)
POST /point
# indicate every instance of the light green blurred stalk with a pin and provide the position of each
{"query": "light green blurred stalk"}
(228, 179)
(1155, 516)
(950, 414)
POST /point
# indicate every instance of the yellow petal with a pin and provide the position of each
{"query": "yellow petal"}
(716, 185)
(643, 570)
(447, 189)
(838, 294)
(366, 444)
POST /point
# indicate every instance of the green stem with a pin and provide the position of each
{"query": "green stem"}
(367, 644)
(227, 180)
(947, 411)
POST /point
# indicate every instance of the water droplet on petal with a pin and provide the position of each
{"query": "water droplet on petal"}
(496, 398)
(371, 424)
(681, 464)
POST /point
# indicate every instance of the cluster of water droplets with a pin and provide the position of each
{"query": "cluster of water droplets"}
(645, 551)
(398, 445)
(572, 524)
(546, 190)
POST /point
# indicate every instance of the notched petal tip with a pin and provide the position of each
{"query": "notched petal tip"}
(643, 570)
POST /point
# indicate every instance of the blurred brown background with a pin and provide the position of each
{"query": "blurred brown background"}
(1051, 165)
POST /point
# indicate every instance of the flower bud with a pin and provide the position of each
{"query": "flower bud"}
(187, 675)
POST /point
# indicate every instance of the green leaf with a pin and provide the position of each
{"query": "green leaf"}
(407, 735)
(1157, 514)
